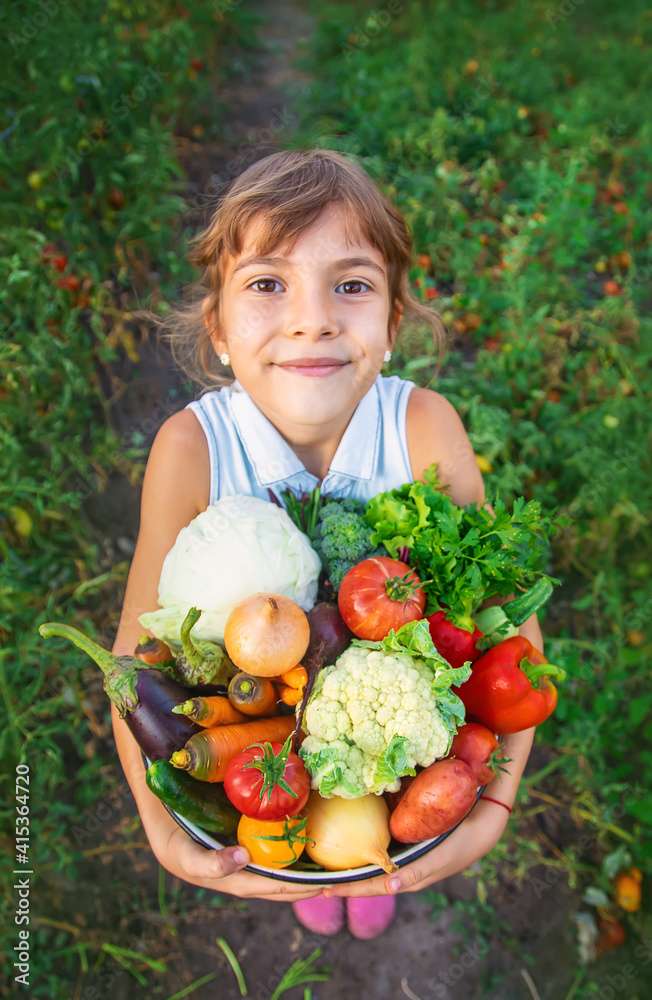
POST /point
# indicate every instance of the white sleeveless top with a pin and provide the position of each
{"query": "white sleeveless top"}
(248, 455)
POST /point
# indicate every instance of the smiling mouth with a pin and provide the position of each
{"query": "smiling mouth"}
(318, 369)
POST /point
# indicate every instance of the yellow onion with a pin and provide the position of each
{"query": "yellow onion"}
(266, 634)
(349, 833)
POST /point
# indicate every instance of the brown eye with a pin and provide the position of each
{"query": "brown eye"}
(357, 283)
(263, 281)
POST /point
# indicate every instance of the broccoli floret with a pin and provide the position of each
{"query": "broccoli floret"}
(343, 537)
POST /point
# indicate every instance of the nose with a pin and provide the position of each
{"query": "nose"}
(312, 313)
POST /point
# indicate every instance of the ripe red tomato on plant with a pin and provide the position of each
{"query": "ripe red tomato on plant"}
(49, 251)
(379, 594)
(69, 282)
(267, 781)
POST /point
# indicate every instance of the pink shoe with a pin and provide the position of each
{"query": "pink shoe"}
(321, 914)
(369, 916)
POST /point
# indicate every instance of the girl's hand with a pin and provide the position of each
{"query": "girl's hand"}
(474, 837)
(219, 870)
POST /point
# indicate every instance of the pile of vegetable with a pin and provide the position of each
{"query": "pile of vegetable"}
(339, 690)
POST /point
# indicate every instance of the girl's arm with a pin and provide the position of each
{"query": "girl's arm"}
(174, 491)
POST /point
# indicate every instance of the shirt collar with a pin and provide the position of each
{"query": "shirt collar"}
(273, 459)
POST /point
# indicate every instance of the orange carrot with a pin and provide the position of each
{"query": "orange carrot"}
(252, 695)
(290, 695)
(215, 710)
(153, 651)
(206, 755)
(297, 677)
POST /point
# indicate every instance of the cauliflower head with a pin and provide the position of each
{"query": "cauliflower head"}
(373, 716)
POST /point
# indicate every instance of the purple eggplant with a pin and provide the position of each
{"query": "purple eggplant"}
(144, 696)
(329, 637)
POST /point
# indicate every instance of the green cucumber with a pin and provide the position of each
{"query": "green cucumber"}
(201, 802)
(501, 621)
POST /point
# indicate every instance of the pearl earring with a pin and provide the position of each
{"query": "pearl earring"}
(387, 357)
(224, 358)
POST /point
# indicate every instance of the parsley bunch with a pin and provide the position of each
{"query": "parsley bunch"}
(466, 554)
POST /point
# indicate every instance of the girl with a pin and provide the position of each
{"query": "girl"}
(305, 280)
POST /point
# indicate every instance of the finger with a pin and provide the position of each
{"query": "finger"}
(381, 885)
(198, 862)
(410, 878)
(264, 888)
(251, 886)
(280, 898)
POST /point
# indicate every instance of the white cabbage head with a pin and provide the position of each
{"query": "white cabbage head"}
(237, 547)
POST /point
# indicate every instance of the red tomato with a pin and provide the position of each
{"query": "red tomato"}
(476, 746)
(49, 250)
(70, 282)
(379, 594)
(266, 781)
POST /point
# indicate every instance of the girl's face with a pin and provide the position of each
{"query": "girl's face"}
(325, 304)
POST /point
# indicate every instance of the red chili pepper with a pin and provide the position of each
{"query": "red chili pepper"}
(510, 688)
(457, 645)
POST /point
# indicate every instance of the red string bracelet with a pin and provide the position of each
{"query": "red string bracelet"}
(503, 804)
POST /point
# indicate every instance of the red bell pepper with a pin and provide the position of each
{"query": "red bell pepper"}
(510, 687)
(456, 645)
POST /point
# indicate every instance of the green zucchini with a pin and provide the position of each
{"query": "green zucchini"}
(201, 802)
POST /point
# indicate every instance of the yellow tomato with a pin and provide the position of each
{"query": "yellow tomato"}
(628, 890)
(273, 843)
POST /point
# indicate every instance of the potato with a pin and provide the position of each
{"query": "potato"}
(393, 798)
(435, 800)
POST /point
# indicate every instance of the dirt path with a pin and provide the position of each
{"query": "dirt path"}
(416, 957)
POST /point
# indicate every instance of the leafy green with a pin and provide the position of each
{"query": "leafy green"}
(464, 555)
(329, 771)
(394, 761)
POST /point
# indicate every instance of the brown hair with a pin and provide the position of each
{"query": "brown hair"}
(290, 188)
